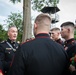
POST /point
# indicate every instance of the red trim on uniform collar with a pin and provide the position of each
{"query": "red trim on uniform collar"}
(42, 35)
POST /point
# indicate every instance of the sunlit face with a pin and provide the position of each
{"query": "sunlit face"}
(64, 32)
(12, 33)
(54, 35)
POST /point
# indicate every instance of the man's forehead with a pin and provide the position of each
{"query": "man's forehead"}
(64, 28)
(53, 32)
(13, 28)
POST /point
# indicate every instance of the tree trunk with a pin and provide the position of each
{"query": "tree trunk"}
(27, 26)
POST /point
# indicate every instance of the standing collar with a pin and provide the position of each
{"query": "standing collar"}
(59, 41)
(10, 41)
(42, 35)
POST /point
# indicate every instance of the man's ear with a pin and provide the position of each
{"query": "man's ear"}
(35, 25)
(7, 33)
(68, 30)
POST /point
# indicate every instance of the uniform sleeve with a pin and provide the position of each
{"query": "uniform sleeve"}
(18, 66)
(2, 56)
(4, 65)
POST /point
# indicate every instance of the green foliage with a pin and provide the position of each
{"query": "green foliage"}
(3, 34)
(19, 38)
(39, 4)
(17, 20)
(75, 34)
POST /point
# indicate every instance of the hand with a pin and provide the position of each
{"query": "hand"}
(1, 72)
(72, 68)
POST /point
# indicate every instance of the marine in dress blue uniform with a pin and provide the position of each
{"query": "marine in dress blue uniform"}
(7, 52)
(70, 47)
(40, 56)
(67, 32)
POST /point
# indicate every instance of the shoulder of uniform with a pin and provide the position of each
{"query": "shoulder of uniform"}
(18, 42)
(74, 44)
(28, 41)
(32, 39)
(3, 41)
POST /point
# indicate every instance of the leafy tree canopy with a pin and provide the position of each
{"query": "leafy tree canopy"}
(39, 4)
(3, 33)
(15, 19)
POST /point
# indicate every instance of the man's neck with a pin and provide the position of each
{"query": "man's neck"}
(70, 37)
(12, 40)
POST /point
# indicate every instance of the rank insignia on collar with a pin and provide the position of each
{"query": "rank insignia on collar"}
(8, 48)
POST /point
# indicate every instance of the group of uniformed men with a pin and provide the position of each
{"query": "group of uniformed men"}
(42, 55)
(69, 43)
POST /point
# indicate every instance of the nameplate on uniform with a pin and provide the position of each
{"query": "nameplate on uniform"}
(8, 48)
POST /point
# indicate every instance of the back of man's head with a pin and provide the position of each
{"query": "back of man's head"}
(43, 20)
(42, 23)
(41, 17)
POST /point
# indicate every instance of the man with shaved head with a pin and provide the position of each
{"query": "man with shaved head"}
(67, 32)
(40, 56)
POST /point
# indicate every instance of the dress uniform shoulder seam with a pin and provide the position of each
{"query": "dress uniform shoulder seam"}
(28, 41)
(3, 42)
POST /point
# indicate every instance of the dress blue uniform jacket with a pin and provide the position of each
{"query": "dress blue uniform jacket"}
(70, 47)
(40, 56)
(7, 51)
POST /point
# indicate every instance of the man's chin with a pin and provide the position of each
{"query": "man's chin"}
(13, 39)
